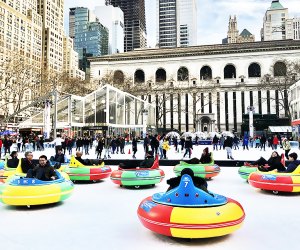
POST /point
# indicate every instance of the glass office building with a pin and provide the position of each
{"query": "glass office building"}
(106, 111)
(90, 36)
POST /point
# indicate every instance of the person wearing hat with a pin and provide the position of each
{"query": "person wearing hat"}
(198, 181)
(294, 163)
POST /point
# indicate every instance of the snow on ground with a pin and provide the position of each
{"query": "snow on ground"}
(103, 216)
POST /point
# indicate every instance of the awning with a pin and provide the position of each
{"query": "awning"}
(280, 129)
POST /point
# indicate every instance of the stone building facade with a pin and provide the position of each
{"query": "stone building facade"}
(202, 88)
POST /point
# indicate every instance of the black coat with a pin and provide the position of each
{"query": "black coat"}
(26, 165)
(43, 173)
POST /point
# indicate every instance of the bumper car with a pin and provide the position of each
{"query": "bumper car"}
(21, 191)
(207, 170)
(1, 164)
(189, 212)
(245, 171)
(7, 171)
(136, 176)
(79, 172)
(276, 181)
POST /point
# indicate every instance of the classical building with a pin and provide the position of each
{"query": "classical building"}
(52, 13)
(233, 33)
(134, 22)
(176, 23)
(204, 87)
(276, 23)
(113, 19)
(295, 108)
(71, 60)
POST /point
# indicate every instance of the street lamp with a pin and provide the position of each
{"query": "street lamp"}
(145, 118)
(251, 110)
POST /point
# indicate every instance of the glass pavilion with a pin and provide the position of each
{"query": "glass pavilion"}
(106, 111)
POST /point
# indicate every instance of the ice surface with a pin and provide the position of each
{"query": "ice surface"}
(104, 216)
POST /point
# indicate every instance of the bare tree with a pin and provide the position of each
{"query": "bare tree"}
(281, 77)
(17, 80)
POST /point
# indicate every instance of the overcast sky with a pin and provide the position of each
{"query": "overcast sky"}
(213, 16)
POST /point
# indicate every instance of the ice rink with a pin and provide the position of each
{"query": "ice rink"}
(103, 216)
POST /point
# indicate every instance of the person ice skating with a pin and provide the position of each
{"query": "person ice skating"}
(134, 146)
(228, 147)
(286, 147)
(165, 147)
(245, 142)
(188, 147)
(215, 142)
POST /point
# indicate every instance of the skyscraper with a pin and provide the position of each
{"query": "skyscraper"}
(177, 23)
(276, 23)
(112, 18)
(134, 22)
(91, 37)
(52, 13)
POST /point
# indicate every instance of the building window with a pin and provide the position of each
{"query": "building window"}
(182, 74)
(279, 69)
(229, 71)
(205, 73)
(139, 76)
(254, 70)
(160, 75)
(118, 77)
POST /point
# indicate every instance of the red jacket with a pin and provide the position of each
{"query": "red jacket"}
(1, 143)
(275, 141)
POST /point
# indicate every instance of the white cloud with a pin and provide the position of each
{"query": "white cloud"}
(213, 16)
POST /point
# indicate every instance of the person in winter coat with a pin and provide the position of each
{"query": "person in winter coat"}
(215, 142)
(293, 163)
(286, 147)
(263, 141)
(245, 142)
(275, 142)
(205, 158)
(222, 140)
(165, 147)
(99, 147)
(228, 147)
(188, 147)
(134, 146)
(274, 162)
